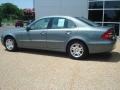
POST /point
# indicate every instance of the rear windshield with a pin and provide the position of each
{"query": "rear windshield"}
(88, 22)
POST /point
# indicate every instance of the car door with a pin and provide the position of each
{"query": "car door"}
(59, 33)
(37, 33)
(23, 39)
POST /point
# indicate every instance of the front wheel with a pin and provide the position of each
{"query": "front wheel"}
(10, 44)
(77, 50)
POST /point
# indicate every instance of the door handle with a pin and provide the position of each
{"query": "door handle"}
(68, 32)
(43, 33)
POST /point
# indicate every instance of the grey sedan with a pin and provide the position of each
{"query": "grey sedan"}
(76, 36)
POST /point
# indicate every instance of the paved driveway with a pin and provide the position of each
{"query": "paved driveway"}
(43, 70)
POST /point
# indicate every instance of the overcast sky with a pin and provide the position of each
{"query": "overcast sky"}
(20, 3)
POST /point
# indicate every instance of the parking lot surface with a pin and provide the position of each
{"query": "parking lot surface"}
(44, 70)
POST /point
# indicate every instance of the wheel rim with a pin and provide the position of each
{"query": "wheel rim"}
(9, 44)
(76, 50)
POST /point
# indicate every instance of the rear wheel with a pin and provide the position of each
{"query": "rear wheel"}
(77, 50)
(10, 44)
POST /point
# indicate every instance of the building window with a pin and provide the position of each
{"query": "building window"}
(112, 4)
(96, 5)
(105, 13)
(95, 15)
(112, 16)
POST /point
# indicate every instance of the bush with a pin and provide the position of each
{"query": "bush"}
(0, 21)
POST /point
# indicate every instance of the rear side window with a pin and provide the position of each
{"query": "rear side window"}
(58, 23)
(61, 23)
(70, 24)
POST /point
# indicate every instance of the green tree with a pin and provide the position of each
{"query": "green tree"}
(0, 16)
(20, 14)
(9, 11)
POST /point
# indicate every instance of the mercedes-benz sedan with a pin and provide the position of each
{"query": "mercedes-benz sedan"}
(76, 36)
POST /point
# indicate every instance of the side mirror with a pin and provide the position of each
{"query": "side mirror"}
(28, 28)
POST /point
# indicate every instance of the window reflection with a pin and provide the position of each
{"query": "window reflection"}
(112, 15)
(112, 4)
(95, 15)
(96, 5)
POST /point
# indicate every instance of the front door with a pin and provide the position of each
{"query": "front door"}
(37, 33)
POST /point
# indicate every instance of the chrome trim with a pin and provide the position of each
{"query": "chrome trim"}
(40, 41)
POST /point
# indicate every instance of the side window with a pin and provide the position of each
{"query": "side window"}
(70, 24)
(40, 24)
(58, 23)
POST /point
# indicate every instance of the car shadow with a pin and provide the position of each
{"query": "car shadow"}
(44, 52)
(103, 57)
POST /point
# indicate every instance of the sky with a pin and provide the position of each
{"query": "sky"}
(20, 3)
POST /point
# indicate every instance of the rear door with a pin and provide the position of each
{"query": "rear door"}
(58, 33)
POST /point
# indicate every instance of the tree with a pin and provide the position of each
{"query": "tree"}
(29, 14)
(9, 11)
(20, 14)
(0, 16)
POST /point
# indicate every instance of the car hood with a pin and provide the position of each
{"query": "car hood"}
(13, 30)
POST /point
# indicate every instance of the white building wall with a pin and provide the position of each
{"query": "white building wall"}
(76, 8)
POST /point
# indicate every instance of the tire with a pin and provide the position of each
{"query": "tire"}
(77, 50)
(10, 44)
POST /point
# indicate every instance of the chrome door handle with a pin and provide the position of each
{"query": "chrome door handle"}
(43, 33)
(68, 32)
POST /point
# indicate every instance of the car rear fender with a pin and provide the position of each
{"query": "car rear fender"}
(77, 39)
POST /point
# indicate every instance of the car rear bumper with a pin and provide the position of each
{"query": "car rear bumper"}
(102, 47)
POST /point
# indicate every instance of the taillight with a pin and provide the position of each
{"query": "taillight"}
(108, 35)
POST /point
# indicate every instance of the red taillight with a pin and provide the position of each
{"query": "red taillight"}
(108, 35)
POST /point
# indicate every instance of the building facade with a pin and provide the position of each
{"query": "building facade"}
(103, 12)
(76, 8)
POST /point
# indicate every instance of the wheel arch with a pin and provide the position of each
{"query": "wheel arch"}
(76, 39)
(5, 37)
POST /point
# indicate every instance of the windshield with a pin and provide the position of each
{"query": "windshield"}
(88, 22)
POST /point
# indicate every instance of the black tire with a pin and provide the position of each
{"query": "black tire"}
(14, 44)
(84, 48)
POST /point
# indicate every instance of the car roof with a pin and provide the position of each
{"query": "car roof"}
(78, 22)
(57, 16)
